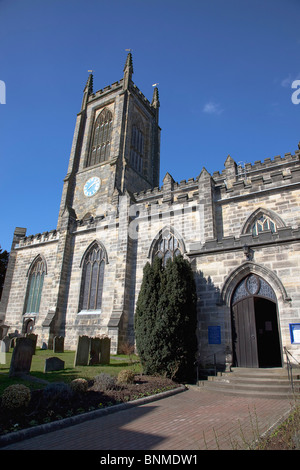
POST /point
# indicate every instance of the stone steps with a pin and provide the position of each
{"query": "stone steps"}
(265, 383)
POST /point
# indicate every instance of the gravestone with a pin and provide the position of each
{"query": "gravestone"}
(53, 363)
(92, 351)
(104, 350)
(33, 339)
(95, 350)
(2, 352)
(6, 341)
(82, 351)
(3, 331)
(13, 337)
(58, 344)
(21, 357)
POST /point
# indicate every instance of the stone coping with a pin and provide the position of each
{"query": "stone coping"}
(17, 436)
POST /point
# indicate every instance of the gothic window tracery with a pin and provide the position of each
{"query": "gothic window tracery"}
(262, 220)
(262, 224)
(92, 279)
(101, 139)
(167, 247)
(253, 285)
(35, 286)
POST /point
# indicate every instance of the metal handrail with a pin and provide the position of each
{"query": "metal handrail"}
(290, 366)
(215, 361)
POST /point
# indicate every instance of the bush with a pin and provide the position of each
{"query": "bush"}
(79, 385)
(16, 396)
(104, 381)
(126, 376)
(56, 394)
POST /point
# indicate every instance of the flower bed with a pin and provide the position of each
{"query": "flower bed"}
(58, 401)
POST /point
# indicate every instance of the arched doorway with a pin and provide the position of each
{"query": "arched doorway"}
(28, 326)
(256, 341)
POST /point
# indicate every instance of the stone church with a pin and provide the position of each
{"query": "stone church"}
(239, 228)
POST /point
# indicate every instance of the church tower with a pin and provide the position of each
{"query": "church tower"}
(115, 153)
(116, 147)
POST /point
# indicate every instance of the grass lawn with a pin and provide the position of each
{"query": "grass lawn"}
(117, 363)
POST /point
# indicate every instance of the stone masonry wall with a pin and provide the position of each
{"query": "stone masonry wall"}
(26, 252)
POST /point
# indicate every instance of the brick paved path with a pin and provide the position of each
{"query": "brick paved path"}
(192, 420)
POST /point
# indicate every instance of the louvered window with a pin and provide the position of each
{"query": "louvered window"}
(137, 149)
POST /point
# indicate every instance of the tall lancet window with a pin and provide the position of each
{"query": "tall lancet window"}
(101, 139)
(92, 279)
(35, 286)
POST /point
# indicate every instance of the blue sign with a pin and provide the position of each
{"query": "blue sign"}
(214, 335)
(295, 333)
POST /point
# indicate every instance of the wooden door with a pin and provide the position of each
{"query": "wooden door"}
(245, 340)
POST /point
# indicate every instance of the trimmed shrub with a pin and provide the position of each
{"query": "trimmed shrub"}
(126, 376)
(57, 394)
(79, 385)
(16, 396)
(104, 381)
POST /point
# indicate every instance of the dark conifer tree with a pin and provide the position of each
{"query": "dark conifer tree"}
(166, 320)
(177, 320)
(145, 315)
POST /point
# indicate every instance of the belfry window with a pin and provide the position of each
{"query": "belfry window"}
(137, 149)
(167, 247)
(101, 139)
(262, 224)
(35, 286)
(92, 279)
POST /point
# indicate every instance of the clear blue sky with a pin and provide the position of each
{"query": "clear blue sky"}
(224, 70)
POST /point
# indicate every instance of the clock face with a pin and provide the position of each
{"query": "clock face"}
(91, 186)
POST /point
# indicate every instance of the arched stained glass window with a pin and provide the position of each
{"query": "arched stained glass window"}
(101, 139)
(167, 247)
(35, 286)
(262, 224)
(92, 279)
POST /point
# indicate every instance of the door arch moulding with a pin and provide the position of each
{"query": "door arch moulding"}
(249, 267)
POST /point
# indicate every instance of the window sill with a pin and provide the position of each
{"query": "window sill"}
(89, 312)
